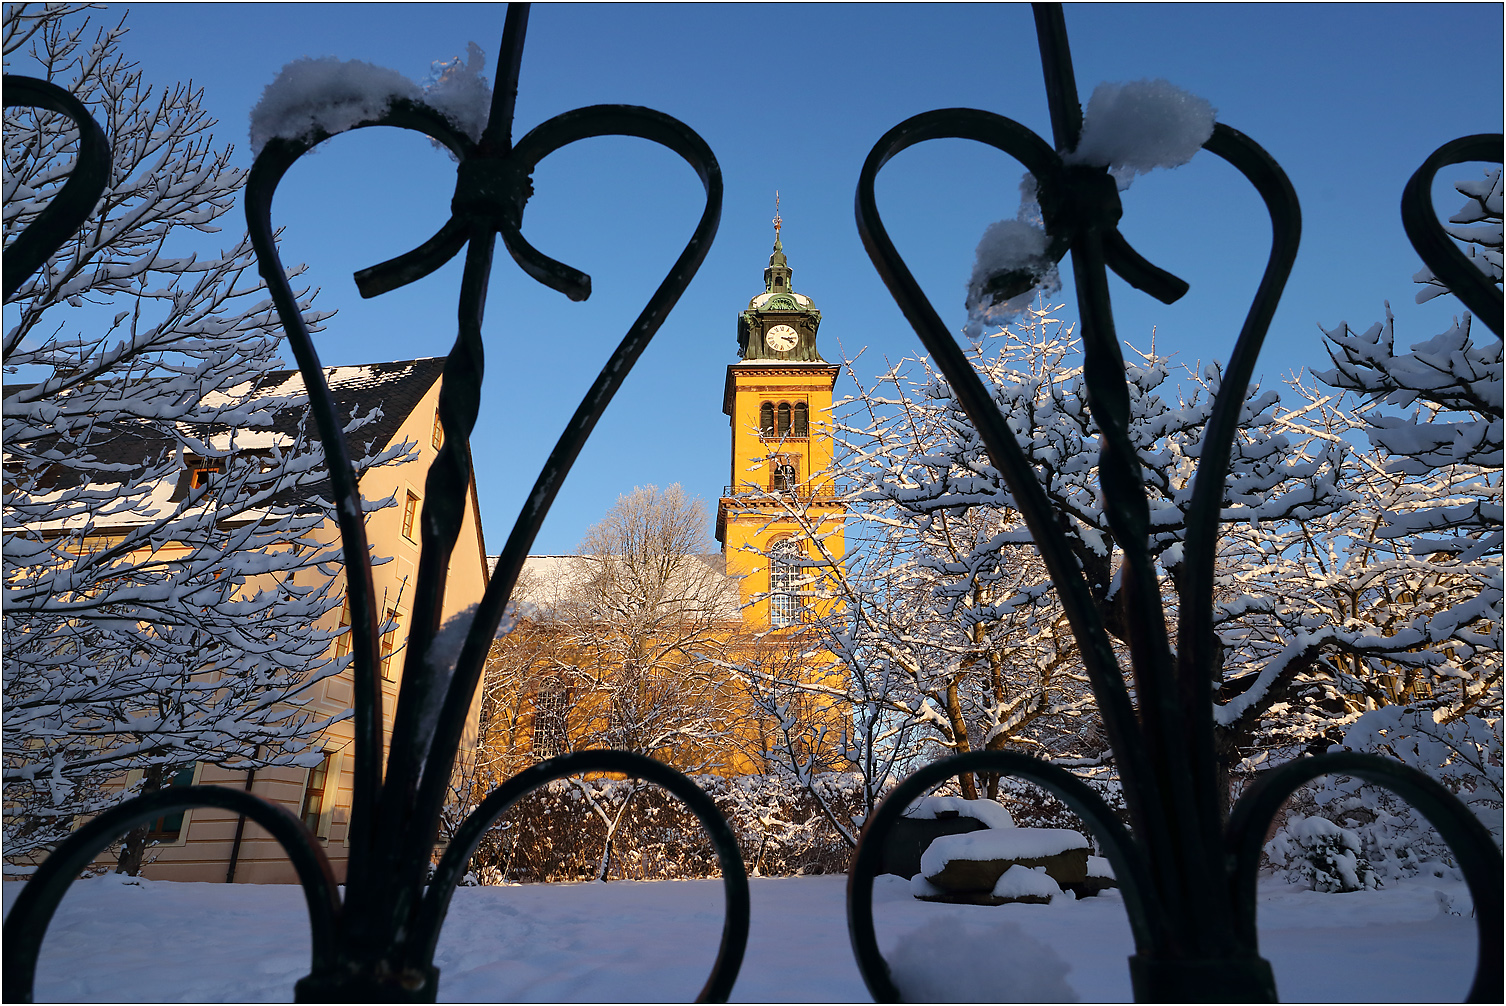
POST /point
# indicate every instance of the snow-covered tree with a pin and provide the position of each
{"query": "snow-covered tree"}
(951, 632)
(161, 501)
(621, 645)
(1402, 598)
(1419, 567)
(618, 647)
(1445, 449)
(940, 638)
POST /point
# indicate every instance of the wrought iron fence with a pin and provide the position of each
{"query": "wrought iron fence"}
(1188, 880)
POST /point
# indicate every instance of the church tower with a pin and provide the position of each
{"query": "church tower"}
(780, 499)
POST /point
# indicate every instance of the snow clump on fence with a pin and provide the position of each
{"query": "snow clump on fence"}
(1129, 128)
(332, 95)
(1141, 125)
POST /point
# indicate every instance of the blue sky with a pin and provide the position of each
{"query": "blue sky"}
(1349, 98)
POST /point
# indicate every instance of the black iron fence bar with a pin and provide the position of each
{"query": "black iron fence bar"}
(453, 863)
(32, 912)
(1196, 644)
(1432, 242)
(601, 120)
(266, 172)
(71, 205)
(493, 185)
(368, 947)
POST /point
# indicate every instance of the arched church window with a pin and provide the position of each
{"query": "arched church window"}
(784, 419)
(786, 605)
(766, 419)
(801, 424)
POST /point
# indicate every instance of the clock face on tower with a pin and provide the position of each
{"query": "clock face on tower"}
(781, 338)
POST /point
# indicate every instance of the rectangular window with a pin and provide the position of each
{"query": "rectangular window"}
(550, 737)
(342, 641)
(410, 516)
(389, 643)
(786, 601)
(313, 795)
(437, 439)
(169, 827)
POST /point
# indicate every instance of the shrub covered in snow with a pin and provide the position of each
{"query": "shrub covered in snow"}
(1317, 851)
(605, 829)
(1463, 754)
(1392, 837)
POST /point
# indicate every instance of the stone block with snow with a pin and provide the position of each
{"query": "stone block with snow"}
(971, 867)
(930, 819)
(1100, 878)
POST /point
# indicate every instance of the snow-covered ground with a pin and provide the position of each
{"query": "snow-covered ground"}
(648, 942)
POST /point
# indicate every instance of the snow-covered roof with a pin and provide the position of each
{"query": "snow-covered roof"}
(390, 391)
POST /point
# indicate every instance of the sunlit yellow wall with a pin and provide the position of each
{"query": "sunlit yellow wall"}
(203, 850)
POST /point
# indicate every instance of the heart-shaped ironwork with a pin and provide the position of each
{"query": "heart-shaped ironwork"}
(377, 942)
(1189, 882)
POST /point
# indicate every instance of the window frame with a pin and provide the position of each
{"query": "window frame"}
(389, 645)
(343, 640)
(786, 601)
(410, 514)
(324, 771)
(550, 736)
(766, 427)
(157, 834)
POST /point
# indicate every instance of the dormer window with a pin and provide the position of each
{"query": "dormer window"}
(202, 476)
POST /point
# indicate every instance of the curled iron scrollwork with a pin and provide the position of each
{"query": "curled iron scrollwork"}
(1433, 244)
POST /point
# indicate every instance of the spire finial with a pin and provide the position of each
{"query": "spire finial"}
(778, 220)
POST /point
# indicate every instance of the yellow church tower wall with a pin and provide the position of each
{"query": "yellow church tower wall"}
(780, 497)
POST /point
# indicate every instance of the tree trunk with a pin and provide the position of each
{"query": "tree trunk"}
(133, 849)
(960, 739)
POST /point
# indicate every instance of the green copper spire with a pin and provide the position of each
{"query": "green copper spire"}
(776, 278)
(779, 325)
